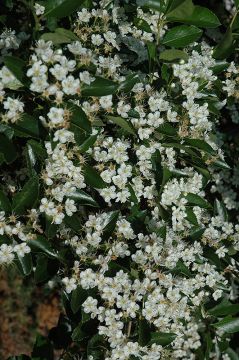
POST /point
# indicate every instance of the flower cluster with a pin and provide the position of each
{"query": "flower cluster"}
(128, 189)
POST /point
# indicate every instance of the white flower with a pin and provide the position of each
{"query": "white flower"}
(6, 254)
(39, 9)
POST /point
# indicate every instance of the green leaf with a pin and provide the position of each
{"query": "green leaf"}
(202, 17)
(191, 217)
(144, 332)
(152, 4)
(220, 209)
(25, 264)
(124, 124)
(43, 349)
(187, 13)
(7, 130)
(225, 46)
(45, 268)
(232, 354)
(197, 200)
(87, 144)
(181, 36)
(27, 197)
(173, 54)
(83, 198)
(16, 66)
(228, 325)
(79, 118)
(27, 126)
(126, 85)
(60, 36)
(110, 224)
(161, 338)
(224, 308)
(100, 87)
(78, 334)
(142, 25)
(221, 164)
(200, 144)
(73, 222)
(7, 149)
(61, 8)
(41, 244)
(178, 10)
(92, 177)
(78, 296)
(5, 204)
(167, 129)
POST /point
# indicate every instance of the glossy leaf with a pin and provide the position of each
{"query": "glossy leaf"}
(83, 198)
(110, 224)
(7, 149)
(79, 118)
(228, 325)
(126, 85)
(78, 296)
(5, 204)
(25, 264)
(161, 338)
(16, 66)
(181, 36)
(27, 126)
(61, 8)
(197, 200)
(92, 177)
(224, 308)
(41, 244)
(100, 87)
(173, 54)
(123, 123)
(27, 197)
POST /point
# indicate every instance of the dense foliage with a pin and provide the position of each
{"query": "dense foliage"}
(119, 156)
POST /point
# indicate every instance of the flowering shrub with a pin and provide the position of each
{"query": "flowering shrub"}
(118, 183)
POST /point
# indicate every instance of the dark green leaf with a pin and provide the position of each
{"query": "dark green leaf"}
(152, 4)
(27, 197)
(92, 177)
(41, 244)
(161, 338)
(181, 36)
(200, 144)
(25, 264)
(78, 334)
(123, 123)
(73, 222)
(60, 36)
(178, 10)
(126, 85)
(197, 200)
(191, 217)
(83, 198)
(220, 209)
(225, 46)
(167, 129)
(43, 349)
(228, 325)
(61, 8)
(144, 332)
(15, 65)
(87, 144)
(173, 54)
(100, 87)
(202, 17)
(5, 204)
(224, 308)
(78, 296)
(142, 25)
(110, 224)
(27, 126)
(79, 118)
(7, 149)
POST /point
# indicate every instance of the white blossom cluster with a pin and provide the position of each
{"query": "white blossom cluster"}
(144, 140)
